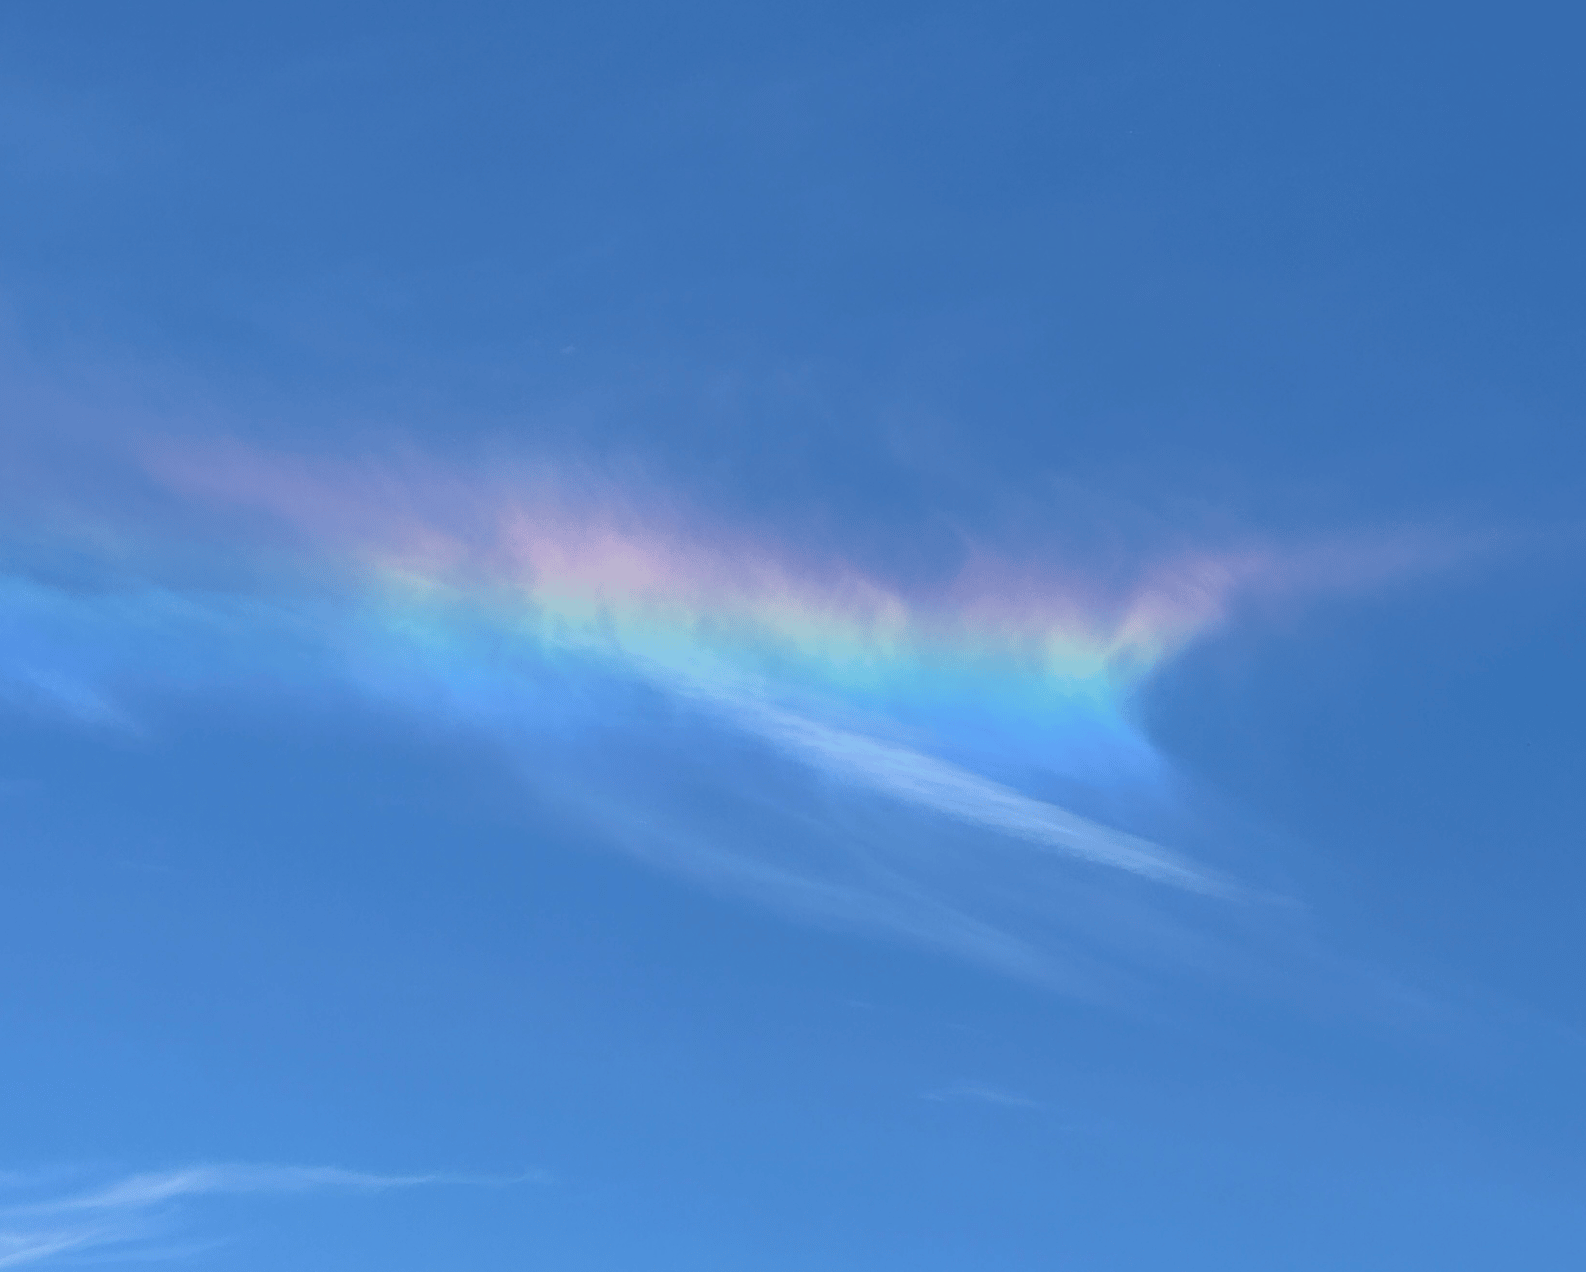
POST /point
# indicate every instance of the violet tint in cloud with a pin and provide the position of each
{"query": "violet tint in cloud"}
(542, 612)
(636, 590)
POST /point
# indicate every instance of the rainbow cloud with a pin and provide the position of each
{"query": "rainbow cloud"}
(516, 600)
(593, 571)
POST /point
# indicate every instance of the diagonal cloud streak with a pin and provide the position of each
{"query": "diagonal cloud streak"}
(948, 790)
(957, 793)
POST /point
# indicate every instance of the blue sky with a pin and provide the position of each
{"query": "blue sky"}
(831, 637)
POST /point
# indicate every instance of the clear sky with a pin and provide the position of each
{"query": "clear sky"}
(807, 637)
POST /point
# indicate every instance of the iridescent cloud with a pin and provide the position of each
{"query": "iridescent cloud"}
(513, 600)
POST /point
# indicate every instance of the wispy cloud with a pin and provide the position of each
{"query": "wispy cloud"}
(950, 859)
(897, 843)
(131, 1216)
(963, 796)
(791, 723)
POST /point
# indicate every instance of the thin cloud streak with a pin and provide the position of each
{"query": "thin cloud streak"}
(122, 1218)
(153, 1188)
(948, 790)
(966, 797)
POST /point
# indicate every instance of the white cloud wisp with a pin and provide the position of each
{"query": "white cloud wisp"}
(132, 1216)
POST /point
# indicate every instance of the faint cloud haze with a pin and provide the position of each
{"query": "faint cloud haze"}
(143, 1216)
(982, 1093)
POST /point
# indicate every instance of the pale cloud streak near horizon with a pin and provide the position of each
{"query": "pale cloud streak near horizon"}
(139, 1216)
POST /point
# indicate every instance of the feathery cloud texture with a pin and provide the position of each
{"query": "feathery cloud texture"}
(144, 1216)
